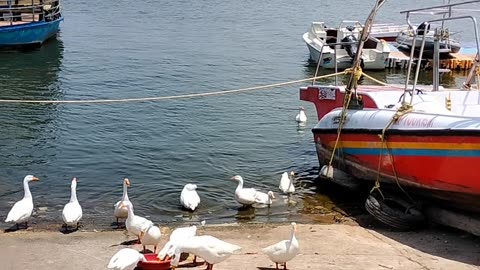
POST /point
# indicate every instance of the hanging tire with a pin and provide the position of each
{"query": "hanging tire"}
(394, 212)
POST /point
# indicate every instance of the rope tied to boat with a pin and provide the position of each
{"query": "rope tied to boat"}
(404, 109)
(159, 98)
(357, 74)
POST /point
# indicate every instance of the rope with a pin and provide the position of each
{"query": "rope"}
(346, 102)
(404, 109)
(125, 100)
(380, 82)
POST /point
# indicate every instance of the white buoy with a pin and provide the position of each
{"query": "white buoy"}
(327, 171)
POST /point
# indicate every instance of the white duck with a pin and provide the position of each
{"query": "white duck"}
(150, 236)
(135, 224)
(22, 210)
(301, 116)
(211, 249)
(283, 251)
(264, 198)
(189, 197)
(177, 237)
(122, 212)
(72, 212)
(286, 183)
(125, 259)
(245, 196)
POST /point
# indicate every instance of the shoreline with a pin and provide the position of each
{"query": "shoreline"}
(327, 246)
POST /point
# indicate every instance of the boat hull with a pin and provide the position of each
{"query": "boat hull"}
(431, 165)
(344, 61)
(28, 34)
(406, 41)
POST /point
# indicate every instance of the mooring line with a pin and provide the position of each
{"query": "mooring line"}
(145, 99)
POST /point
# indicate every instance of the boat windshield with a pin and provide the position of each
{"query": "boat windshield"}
(14, 12)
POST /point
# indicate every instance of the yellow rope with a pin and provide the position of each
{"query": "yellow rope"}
(346, 102)
(380, 82)
(217, 93)
(404, 109)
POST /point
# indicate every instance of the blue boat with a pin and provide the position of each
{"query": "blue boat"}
(28, 22)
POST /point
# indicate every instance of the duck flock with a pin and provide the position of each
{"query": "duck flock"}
(182, 240)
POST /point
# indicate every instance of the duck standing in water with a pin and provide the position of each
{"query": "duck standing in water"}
(245, 196)
(301, 117)
(286, 183)
(189, 197)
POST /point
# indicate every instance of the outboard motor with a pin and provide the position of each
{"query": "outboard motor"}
(352, 48)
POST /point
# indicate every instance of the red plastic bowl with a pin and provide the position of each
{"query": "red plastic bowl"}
(153, 263)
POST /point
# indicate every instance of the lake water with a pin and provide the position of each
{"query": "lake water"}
(125, 49)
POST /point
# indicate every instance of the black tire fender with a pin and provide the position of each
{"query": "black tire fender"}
(394, 211)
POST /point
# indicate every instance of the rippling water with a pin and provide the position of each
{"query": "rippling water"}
(122, 49)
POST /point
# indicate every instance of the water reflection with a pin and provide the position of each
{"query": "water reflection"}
(27, 130)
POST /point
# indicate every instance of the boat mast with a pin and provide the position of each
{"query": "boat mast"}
(352, 83)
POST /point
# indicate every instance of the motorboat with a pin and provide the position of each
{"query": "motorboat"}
(415, 37)
(423, 141)
(28, 22)
(328, 46)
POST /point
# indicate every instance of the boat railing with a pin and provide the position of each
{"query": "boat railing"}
(13, 12)
(440, 33)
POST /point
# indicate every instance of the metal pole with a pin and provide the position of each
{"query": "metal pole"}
(436, 60)
(363, 39)
(335, 63)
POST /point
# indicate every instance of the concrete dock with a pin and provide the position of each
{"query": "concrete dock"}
(323, 247)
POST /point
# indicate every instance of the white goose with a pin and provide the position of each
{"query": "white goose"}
(283, 251)
(301, 116)
(264, 198)
(135, 224)
(211, 249)
(122, 212)
(189, 197)
(22, 210)
(286, 183)
(72, 212)
(245, 196)
(177, 237)
(125, 259)
(151, 236)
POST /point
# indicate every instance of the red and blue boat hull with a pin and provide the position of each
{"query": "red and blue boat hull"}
(430, 164)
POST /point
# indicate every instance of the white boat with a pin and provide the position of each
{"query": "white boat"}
(329, 44)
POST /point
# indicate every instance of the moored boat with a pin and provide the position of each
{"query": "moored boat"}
(423, 140)
(447, 45)
(28, 22)
(327, 45)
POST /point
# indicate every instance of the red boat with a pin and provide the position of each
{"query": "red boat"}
(425, 142)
